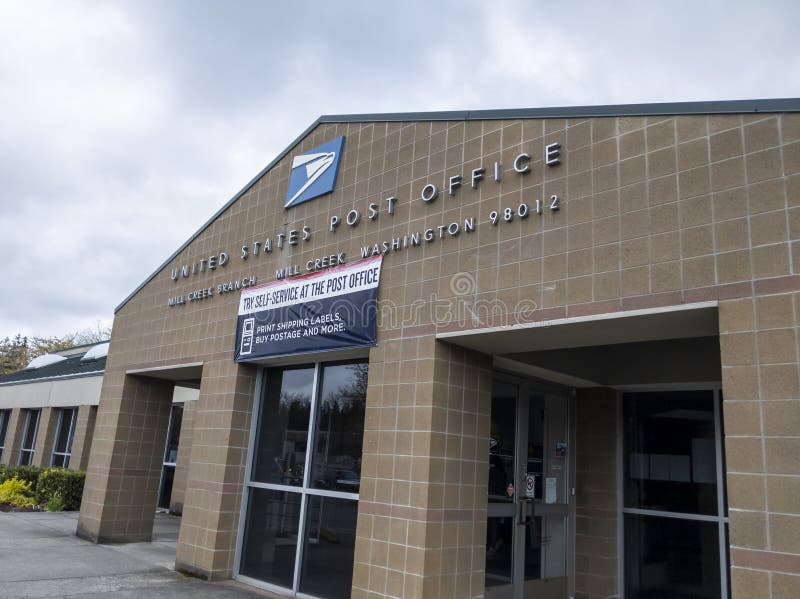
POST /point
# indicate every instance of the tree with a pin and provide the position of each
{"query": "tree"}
(99, 334)
(14, 354)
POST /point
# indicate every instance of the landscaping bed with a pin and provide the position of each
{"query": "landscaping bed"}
(32, 489)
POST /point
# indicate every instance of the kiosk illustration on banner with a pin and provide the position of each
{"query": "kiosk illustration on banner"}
(321, 311)
(314, 173)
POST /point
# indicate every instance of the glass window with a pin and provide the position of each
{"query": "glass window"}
(340, 428)
(4, 416)
(299, 495)
(29, 437)
(62, 448)
(173, 434)
(330, 542)
(671, 558)
(283, 432)
(270, 539)
(167, 481)
(502, 441)
(675, 516)
(170, 456)
(670, 452)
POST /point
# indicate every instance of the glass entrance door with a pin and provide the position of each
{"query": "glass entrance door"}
(528, 492)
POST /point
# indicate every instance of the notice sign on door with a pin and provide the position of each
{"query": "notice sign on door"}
(530, 485)
(321, 311)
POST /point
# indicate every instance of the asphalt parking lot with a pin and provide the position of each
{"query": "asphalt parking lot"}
(40, 557)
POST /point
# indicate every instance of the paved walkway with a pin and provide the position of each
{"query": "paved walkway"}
(40, 557)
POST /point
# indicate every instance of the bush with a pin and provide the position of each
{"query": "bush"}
(60, 481)
(16, 492)
(27, 473)
(56, 503)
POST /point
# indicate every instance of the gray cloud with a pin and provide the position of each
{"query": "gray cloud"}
(125, 125)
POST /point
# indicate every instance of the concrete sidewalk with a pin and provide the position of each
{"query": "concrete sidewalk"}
(41, 557)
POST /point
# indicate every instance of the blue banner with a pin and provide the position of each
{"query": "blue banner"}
(321, 311)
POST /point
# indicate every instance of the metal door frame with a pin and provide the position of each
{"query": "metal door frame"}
(525, 387)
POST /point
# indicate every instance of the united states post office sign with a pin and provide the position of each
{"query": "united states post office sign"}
(320, 311)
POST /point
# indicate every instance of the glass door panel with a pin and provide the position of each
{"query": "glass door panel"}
(526, 539)
(546, 527)
(500, 521)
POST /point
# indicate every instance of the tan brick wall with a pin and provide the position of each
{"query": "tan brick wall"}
(82, 441)
(758, 338)
(213, 496)
(422, 509)
(656, 211)
(45, 437)
(16, 425)
(5, 447)
(120, 493)
(596, 494)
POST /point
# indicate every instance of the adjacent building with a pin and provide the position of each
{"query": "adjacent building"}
(48, 412)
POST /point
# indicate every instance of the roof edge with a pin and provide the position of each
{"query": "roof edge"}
(766, 105)
(610, 110)
(57, 377)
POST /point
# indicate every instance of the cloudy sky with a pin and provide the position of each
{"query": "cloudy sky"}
(125, 125)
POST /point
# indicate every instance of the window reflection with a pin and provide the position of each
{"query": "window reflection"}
(284, 448)
(280, 454)
(62, 448)
(340, 429)
(330, 541)
(671, 558)
(670, 452)
(174, 434)
(270, 540)
(502, 440)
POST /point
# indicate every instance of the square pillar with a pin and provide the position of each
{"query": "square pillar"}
(183, 459)
(596, 494)
(121, 490)
(16, 426)
(45, 437)
(215, 479)
(82, 439)
(761, 409)
(423, 500)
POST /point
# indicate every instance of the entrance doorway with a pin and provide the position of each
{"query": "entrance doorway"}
(530, 491)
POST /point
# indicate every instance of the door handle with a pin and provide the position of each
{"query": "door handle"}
(522, 511)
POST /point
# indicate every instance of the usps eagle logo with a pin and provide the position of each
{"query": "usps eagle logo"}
(314, 173)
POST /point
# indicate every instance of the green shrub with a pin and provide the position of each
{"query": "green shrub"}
(60, 481)
(4, 473)
(56, 503)
(16, 492)
(27, 473)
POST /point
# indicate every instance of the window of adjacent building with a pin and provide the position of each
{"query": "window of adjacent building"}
(170, 456)
(4, 416)
(29, 437)
(304, 477)
(674, 512)
(65, 431)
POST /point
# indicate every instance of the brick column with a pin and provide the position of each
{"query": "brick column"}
(596, 494)
(16, 427)
(207, 540)
(422, 510)
(82, 439)
(183, 459)
(121, 490)
(760, 383)
(45, 437)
